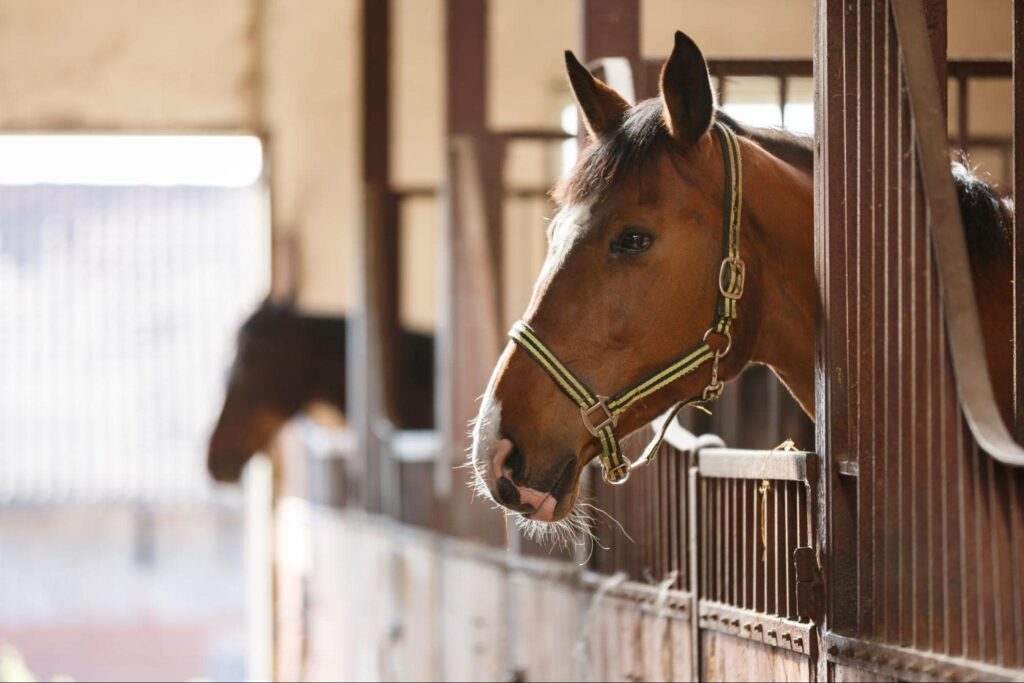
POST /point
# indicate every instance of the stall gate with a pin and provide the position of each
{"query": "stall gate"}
(922, 526)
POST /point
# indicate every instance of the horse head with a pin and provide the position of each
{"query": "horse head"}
(633, 280)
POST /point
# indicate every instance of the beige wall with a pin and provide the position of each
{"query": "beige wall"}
(98, 64)
(291, 67)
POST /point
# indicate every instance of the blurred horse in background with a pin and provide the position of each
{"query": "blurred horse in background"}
(286, 361)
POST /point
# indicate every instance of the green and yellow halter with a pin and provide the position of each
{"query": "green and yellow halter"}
(605, 410)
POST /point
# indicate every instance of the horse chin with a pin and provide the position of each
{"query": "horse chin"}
(225, 470)
(569, 526)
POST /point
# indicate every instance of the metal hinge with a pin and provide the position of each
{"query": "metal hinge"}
(808, 584)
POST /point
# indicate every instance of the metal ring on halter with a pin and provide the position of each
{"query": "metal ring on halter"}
(727, 334)
(626, 467)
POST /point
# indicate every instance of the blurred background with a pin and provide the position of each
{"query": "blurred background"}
(370, 178)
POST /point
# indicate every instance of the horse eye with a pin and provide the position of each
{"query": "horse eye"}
(631, 241)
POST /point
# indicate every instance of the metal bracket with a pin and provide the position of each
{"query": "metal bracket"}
(808, 584)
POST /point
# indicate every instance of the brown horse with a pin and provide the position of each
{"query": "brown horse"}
(632, 274)
(286, 361)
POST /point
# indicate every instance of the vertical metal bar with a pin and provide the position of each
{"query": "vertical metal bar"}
(908, 386)
(693, 484)
(673, 501)
(864, 316)
(1018, 223)
(835, 505)
(1017, 561)
(982, 576)
(783, 98)
(780, 552)
(999, 558)
(703, 520)
(722, 537)
(729, 536)
(788, 547)
(893, 357)
(879, 414)
(742, 564)
(755, 552)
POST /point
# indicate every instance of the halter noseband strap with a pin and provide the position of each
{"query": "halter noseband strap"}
(600, 413)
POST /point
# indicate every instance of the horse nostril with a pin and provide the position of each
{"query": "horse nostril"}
(513, 463)
(507, 461)
(507, 493)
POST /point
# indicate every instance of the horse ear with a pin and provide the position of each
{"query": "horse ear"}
(602, 107)
(689, 103)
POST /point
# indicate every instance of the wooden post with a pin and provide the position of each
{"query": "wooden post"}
(611, 28)
(469, 335)
(374, 319)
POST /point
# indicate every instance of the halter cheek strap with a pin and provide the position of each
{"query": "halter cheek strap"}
(600, 413)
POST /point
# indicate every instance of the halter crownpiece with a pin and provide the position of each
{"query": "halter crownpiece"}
(600, 414)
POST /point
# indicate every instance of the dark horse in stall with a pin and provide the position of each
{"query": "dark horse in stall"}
(285, 361)
(634, 275)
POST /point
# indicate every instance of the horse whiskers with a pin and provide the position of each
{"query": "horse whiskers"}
(610, 518)
(574, 530)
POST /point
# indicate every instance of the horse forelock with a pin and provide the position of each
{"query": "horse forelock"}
(605, 163)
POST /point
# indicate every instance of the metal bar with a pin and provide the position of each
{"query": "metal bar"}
(974, 383)
(694, 484)
(835, 506)
(743, 536)
(783, 98)
(893, 358)
(737, 463)
(1018, 223)
(861, 361)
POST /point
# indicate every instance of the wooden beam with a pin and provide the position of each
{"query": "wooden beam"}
(469, 335)
(374, 320)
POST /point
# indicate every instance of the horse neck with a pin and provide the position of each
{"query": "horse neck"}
(778, 220)
(323, 359)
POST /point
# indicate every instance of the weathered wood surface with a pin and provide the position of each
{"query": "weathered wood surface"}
(442, 609)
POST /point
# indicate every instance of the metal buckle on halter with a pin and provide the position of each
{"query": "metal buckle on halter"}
(731, 265)
(619, 474)
(609, 418)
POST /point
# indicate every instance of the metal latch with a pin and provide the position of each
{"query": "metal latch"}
(808, 584)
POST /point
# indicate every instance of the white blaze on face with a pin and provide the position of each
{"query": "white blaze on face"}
(487, 428)
(567, 228)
